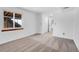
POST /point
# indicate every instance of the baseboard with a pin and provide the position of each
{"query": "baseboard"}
(63, 37)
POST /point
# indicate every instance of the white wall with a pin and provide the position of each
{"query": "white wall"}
(76, 28)
(29, 24)
(39, 23)
(44, 27)
(63, 23)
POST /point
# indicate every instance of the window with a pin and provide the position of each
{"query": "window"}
(12, 21)
(8, 16)
(18, 21)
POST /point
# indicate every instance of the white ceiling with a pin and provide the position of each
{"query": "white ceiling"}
(43, 9)
(49, 10)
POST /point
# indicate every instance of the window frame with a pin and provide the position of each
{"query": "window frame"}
(14, 27)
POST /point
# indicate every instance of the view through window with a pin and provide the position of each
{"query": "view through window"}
(12, 20)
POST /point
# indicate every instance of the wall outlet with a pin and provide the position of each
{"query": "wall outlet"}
(63, 33)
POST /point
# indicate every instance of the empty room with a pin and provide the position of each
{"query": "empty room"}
(39, 29)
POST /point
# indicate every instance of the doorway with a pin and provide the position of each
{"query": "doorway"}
(50, 24)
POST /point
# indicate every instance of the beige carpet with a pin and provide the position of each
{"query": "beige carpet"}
(40, 43)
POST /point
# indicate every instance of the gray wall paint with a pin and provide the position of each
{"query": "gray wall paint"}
(30, 23)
